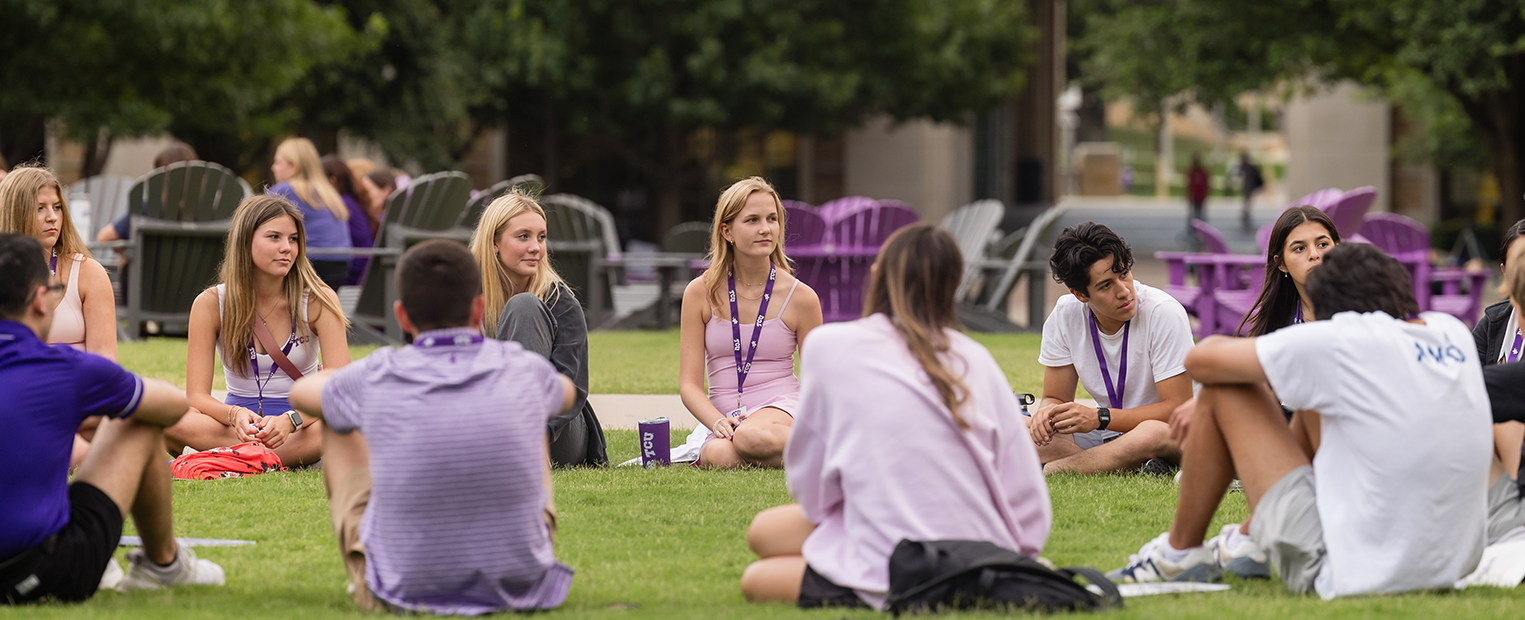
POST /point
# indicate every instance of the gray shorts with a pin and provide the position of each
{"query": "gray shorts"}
(1086, 441)
(1287, 527)
(1506, 521)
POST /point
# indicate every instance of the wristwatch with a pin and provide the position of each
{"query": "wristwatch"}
(1105, 415)
(296, 420)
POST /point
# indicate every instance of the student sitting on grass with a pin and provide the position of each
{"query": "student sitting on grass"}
(528, 303)
(1137, 375)
(1396, 498)
(1499, 341)
(1298, 242)
(736, 333)
(56, 538)
(456, 519)
(1506, 380)
(903, 426)
(266, 283)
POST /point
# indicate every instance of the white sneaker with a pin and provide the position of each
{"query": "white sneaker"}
(188, 450)
(1245, 560)
(143, 574)
(1149, 565)
(112, 576)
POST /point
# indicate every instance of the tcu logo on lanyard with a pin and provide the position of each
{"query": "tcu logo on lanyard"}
(742, 368)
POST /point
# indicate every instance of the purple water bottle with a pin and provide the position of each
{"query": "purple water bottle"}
(656, 442)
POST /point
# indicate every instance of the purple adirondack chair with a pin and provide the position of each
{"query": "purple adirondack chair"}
(851, 245)
(1464, 305)
(837, 209)
(1322, 199)
(1406, 240)
(804, 242)
(799, 205)
(1350, 211)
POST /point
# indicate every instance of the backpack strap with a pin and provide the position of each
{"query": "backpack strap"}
(274, 350)
(1110, 595)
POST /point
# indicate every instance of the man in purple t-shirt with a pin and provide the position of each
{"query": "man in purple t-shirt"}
(444, 504)
(57, 538)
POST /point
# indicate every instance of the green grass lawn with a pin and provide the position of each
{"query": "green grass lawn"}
(670, 543)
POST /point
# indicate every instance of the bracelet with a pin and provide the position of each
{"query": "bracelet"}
(231, 408)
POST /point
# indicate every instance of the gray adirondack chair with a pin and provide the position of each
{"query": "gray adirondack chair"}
(107, 195)
(585, 249)
(688, 238)
(428, 208)
(1023, 261)
(478, 204)
(180, 215)
(974, 227)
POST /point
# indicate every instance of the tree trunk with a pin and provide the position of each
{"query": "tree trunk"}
(1092, 115)
(552, 161)
(97, 151)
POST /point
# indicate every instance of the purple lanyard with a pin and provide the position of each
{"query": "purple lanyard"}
(762, 311)
(1514, 351)
(1114, 393)
(291, 341)
(459, 340)
(1297, 319)
(53, 263)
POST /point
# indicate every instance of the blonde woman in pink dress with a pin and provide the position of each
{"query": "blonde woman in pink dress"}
(743, 320)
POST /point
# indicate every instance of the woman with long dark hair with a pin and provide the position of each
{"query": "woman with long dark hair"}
(1299, 240)
(906, 429)
(361, 225)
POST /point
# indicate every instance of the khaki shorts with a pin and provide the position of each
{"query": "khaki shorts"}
(1287, 527)
(346, 506)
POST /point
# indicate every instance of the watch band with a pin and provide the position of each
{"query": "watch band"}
(1105, 416)
(296, 420)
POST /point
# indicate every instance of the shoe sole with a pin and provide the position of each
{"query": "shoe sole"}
(1246, 568)
(1201, 573)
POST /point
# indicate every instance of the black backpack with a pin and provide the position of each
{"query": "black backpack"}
(968, 574)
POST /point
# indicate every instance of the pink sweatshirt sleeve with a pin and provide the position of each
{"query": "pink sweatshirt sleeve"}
(818, 491)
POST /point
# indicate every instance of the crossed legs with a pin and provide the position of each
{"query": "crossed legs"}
(759, 440)
(777, 536)
(1148, 440)
(200, 431)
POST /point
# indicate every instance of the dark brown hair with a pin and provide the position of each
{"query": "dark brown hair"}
(436, 281)
(1278, 301)
(1078, 248)
(914, 282)
(340, 176)
(24, 268)
(1357, 277)
(175, 153)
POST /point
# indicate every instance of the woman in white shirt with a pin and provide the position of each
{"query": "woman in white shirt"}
(907, 429)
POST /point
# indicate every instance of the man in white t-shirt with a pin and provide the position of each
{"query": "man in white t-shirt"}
(1392, 415)
(1126, 343)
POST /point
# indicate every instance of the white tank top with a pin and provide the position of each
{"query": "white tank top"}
(303, 355)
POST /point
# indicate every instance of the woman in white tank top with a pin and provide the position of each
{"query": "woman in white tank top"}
(32, 202)
(266, 281)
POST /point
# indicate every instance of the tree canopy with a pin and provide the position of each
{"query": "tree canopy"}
(1473, 51)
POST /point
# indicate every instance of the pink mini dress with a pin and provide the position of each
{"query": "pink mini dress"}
(771, 382)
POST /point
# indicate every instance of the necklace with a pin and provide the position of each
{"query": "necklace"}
(262, 315)
(759, 296)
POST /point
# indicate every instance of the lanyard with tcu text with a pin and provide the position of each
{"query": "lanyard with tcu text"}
(1114, 393)
(291, 341)
(762, 311)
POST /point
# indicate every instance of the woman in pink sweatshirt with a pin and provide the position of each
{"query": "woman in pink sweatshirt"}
(901, 422)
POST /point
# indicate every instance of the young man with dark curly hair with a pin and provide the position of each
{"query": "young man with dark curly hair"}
(1126, 342)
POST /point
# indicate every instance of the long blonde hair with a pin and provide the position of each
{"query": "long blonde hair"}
(915, 282)
(238, 275)
(496, 285)
(310, 182)
(722, 253)
(18, 208)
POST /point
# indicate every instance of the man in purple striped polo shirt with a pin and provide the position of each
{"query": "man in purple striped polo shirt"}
(443, 505)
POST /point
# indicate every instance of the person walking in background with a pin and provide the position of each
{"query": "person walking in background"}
(1250, 182)
(905, 431)
(1197, 182)
(379, 185)
(301, 181)
(362, 226)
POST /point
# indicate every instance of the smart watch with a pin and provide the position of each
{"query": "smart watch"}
(1105, 415)
(296, 420)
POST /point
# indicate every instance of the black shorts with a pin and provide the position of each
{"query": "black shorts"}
(68, 565)
(817, 591)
